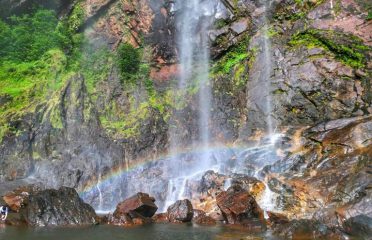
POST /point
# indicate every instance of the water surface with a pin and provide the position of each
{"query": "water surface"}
(148, 232)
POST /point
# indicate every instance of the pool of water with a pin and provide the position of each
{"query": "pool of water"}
(148, 232)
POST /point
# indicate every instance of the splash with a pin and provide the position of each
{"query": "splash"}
(228, 158)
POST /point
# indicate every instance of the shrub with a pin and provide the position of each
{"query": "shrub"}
(128, 61)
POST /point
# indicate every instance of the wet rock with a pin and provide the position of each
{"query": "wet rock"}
(57, 208)
(254, 186)
(360, 226)
(238, 206)
(140, 204)
(286, 199)
(17, 198)
(277, 218)
(306, 229)
(122, 220)
(160, 218)
(217, 216)
(240, 26)
(201, 218)
(180, 211)
(212, 180)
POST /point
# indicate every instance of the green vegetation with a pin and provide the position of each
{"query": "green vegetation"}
(369, 16)
(348, 49)
(128, 61)
(28, 37)
(38, 52)
(220, 23)
(235, 63)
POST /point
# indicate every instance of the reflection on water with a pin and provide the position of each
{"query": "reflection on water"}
(148, 232)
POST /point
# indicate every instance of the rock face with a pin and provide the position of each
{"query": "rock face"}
(50, 207)
(360, 226)
(180, 211)
(238, 206)
(141, 204)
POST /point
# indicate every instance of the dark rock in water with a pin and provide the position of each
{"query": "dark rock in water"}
(200, 217)
(277, 218)
(140, 204)
(160, 218)
(238, 206)
(306, 229)
(360, 226)
(57, 208)
(180, 211)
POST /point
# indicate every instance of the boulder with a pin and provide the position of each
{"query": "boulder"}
(201, 218)
(277, 218)
(238, 206)
(56, 208)
(180, 211)
(359, 226)
(140, 204)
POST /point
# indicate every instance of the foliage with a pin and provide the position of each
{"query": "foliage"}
(369, 16)
(128, 61)
(34, 63)
(27, 85)
(348, 49)
(95, 65)
(235, 64)
(28, 37)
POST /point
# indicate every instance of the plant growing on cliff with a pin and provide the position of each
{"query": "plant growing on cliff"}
(28, 37)
(347, 48)
(128, 62)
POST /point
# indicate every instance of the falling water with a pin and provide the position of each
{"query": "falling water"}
(267, 199)
(99, 193)
(193, 25)
(266, 72)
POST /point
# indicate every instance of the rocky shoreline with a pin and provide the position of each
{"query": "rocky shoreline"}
(237, 207)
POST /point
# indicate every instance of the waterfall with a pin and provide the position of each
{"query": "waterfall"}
(193, 24)
(266, 72)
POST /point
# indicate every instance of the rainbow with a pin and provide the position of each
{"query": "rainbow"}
(122, 170)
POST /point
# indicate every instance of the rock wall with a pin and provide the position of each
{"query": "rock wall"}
(321, 71)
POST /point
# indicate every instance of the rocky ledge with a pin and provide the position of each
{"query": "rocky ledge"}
(33, 206)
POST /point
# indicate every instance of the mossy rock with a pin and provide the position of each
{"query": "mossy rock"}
(346, 47)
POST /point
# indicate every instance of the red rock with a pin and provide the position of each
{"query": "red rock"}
(141, 204)
(238, 206)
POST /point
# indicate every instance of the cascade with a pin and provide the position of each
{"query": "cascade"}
(193, 24)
